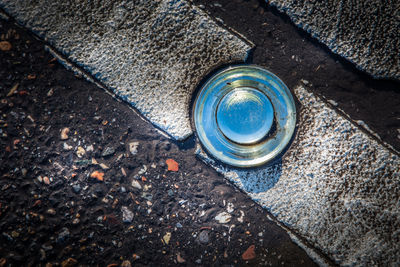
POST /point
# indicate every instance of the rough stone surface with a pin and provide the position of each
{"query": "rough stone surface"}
(364, 32)
(150, 53)
(335, 186)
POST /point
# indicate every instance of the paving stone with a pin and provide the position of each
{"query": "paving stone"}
(364, 32)
(150, 53)
(336, 186)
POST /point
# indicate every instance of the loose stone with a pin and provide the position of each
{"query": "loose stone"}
(136, 184)
(133, 147)
(63, 235)
(203, 237)
(108, 151)
(64, 134)
(249, 254)
(76, 188)
(127, 215)
(70, 262)
(223, 217)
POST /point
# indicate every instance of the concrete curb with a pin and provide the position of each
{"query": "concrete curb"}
(364, 32)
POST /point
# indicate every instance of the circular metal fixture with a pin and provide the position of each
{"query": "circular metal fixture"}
(245, 116)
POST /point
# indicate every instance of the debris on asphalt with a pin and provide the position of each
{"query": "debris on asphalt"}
(135, 257)
(64, 133)
(133, 147)
(31, 77)
(67, 147)
(5, 46)
(97, 175)
(223, 217)
(63, 235)
(136, 184)
(70, 262)
(203, 237)
(46, 180)
(104, 166)
(80, 152)
(127, 215)
(179, 258)
(51, 212)
(89, 148)
(167, 238)
(108, 151)
(76, 188)
(13, 89)
(249, 254)
(50, 92)
(172, 165)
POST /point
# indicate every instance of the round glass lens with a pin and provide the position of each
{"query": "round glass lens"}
(245, 115)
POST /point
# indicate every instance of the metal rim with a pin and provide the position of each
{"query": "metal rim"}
(233, 118)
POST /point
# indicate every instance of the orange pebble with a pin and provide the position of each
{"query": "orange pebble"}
(172, 165)
(98, 175)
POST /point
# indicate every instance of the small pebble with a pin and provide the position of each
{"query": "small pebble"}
(50, 92)
(203, 237)
(179, 258)
(76, 188)
(70, 262)
(104, 166)
(5, 46)
(97, 175)
(249, 254)
(14, 234)
(51, 211)
(127, 215)
(64, 133)
(133, 147)
(80, 152)
(67, 147)
(223, 217)
(167, 238)
(136, 184)
(89, 148)
(108, 151)
(63, 235)
(170, 192)
(46, 180)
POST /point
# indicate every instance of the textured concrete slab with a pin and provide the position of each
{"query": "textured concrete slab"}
(150, 53)
(364, 32)
(336, 186)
